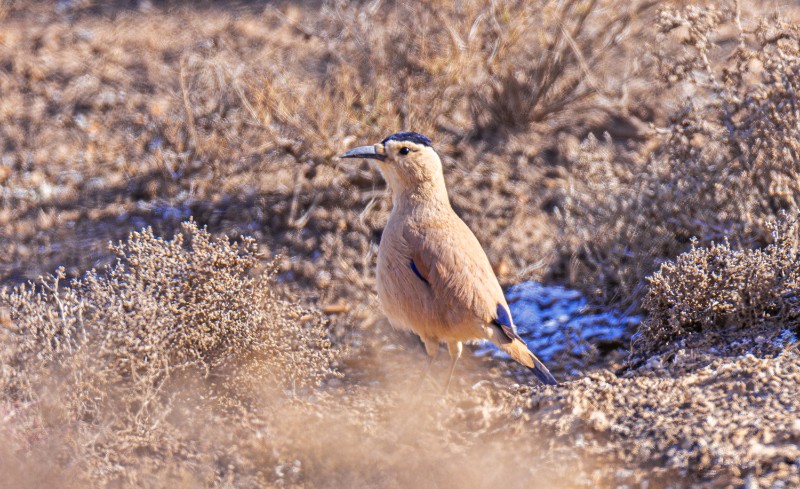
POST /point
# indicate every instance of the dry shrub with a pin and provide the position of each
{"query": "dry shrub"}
(718, 290)
(599, 235)
(726, 164)
(129, 366)
(548, 64)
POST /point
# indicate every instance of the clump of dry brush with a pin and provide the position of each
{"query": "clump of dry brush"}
(134, 365)
(725, 165)
(718, 290)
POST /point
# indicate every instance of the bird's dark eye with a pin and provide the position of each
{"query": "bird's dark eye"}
(404, 150)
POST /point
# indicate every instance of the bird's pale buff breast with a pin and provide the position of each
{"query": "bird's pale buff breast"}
(408, 302)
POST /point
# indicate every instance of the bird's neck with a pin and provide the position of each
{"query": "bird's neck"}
(430, 193)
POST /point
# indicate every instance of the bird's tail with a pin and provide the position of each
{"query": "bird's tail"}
(519, 351)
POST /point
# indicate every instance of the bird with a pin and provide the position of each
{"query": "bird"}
(433, 277)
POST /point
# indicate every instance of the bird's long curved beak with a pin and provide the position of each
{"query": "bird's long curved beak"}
(374, 152)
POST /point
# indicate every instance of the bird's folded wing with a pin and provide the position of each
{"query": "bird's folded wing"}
(452, 261)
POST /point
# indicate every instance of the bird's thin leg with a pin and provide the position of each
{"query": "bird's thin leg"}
(425, 372)
(432, 349)
(455, 349)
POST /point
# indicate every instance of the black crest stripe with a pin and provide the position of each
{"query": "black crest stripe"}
(411, 137)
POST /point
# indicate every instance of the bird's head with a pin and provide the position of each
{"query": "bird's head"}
(407, 161)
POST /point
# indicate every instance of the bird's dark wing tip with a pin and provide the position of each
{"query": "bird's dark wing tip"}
(542, 373)
(503, 316)
(544, 376)
(417, 272)
(503, 319)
